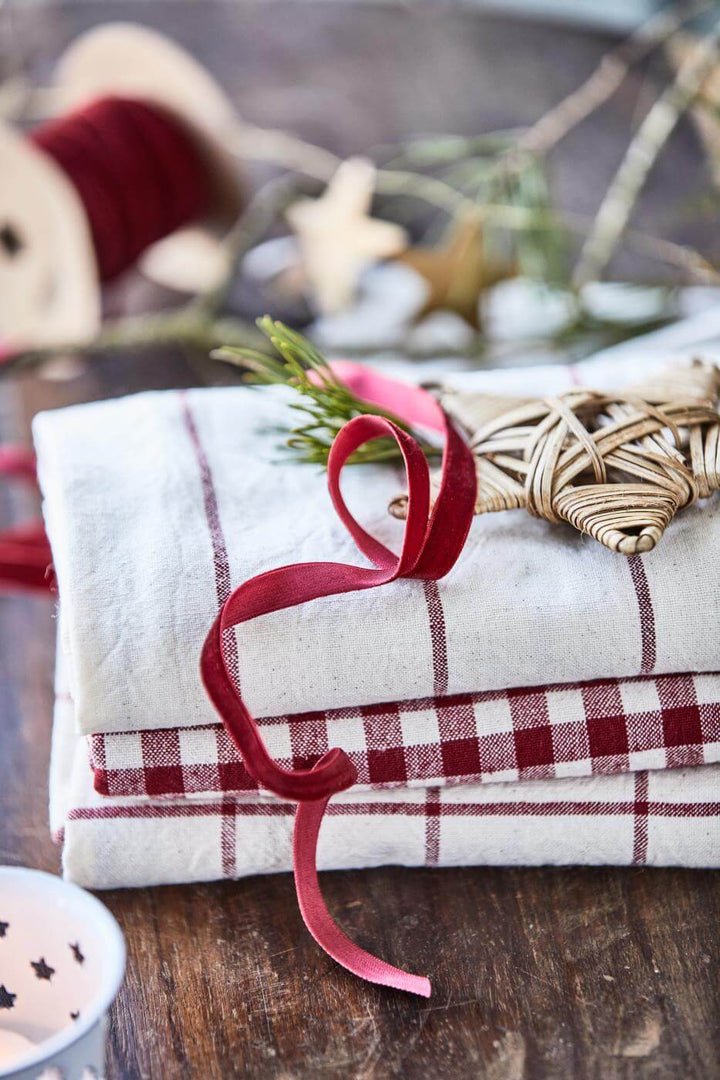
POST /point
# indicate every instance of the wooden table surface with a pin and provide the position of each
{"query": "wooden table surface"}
(557, 973)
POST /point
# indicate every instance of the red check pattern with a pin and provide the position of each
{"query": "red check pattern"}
(583, 729)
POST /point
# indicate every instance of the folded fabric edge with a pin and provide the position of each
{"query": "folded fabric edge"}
(624, 820)
(664, 817)
(595, 728)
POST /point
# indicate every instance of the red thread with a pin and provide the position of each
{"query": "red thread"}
(432, 827)
(623, 808)
(438, 638)
(221, 562)
(139, 173)
(641, 809)
(431, 545)
(228, 839)
(648, 643)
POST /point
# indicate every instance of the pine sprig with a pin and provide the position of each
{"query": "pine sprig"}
(324, 401)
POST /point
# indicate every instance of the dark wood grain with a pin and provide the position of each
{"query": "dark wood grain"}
(572, 974)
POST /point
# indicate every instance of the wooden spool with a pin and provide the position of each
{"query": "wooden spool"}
(49, 286)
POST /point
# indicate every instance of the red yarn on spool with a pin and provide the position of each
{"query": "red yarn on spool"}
(139, 172)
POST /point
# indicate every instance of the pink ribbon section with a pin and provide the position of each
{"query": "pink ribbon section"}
(409, 403)
(25, 555)
(432, 543)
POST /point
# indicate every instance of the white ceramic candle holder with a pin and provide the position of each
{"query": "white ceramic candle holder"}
(62, 960)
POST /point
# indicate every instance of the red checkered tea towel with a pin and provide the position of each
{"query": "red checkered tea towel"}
(530, 733)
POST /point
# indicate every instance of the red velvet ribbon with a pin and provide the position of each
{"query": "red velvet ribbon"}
(25, 556)
(431, 545)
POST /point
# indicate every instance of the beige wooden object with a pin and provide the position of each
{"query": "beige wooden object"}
(457, 272)
(615, 466)
(49, 290)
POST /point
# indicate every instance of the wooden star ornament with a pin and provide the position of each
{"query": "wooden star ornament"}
(458, 272)
(617, 466)
(337, 237)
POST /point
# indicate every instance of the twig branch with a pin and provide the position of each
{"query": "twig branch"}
(607, 77)
(256, 220)
(681, 256)
(641, 155)
(186, 327)
(324, 403)
(281, 148)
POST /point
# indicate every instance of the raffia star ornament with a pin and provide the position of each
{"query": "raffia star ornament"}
(337, 237)
(458, 272)
(617, 466)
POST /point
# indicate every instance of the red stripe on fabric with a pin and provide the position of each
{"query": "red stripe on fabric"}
(640, 826)
(228, 840)
(221, 562)
(96, 753)
(631, 807)
(438, 637)
(432, 827)
(181, 810)
(648, 643)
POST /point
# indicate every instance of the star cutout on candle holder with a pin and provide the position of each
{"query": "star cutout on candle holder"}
(7, 1000)
(457, 272)
(42, 969)
(337, 237)
(4, 926)
(77, 954)
(75, 1015)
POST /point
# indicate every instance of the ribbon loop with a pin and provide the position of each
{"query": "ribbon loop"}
(431, 545)
(354, 434)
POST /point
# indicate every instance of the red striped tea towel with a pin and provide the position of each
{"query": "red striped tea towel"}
(156, 505)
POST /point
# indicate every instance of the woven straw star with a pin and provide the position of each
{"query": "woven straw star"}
(337, 237)
(615, 466)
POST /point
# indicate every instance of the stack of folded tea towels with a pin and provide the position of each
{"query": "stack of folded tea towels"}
(547, 702)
